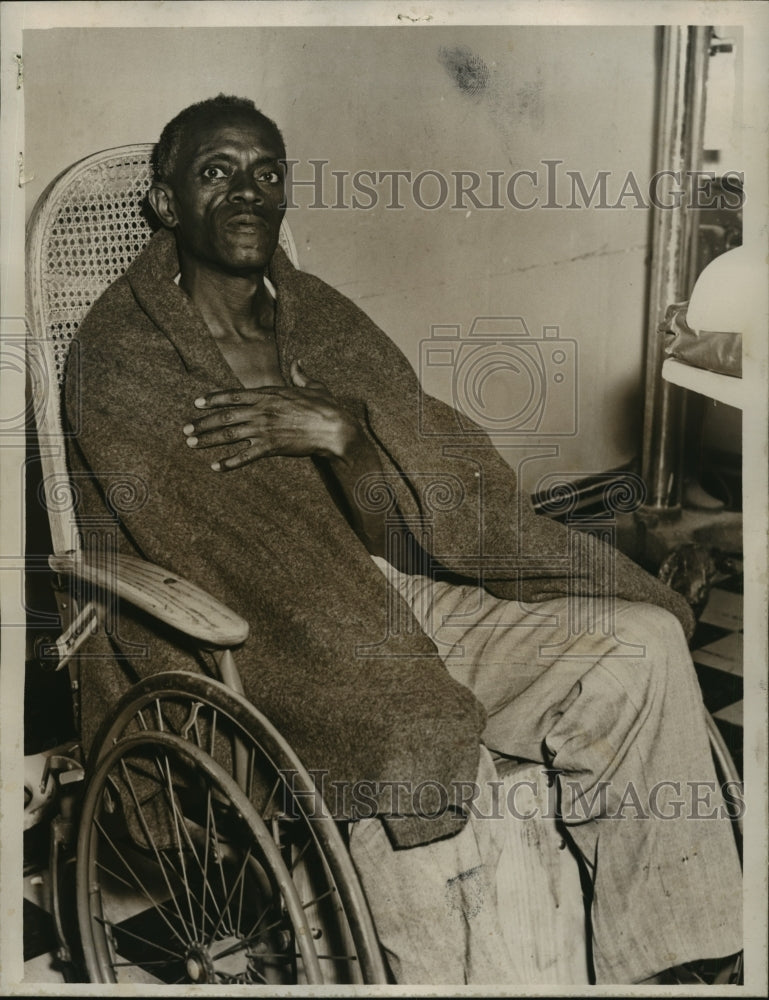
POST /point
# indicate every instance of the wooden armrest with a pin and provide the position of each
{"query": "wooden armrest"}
(164, 595)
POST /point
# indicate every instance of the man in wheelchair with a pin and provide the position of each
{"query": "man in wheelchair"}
(411, 617)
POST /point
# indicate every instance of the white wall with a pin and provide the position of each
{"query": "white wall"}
(383, 98)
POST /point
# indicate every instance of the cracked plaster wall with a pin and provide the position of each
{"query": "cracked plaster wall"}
(444, 99)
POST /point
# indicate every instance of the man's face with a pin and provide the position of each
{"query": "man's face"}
(225, 193)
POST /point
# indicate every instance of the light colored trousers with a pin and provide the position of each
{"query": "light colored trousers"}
(613, 705)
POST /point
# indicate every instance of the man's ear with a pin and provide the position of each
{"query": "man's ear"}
(161, 197)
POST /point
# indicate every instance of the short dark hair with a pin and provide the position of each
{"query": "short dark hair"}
(167, 148)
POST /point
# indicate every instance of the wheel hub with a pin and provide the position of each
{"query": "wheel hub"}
(226, 957)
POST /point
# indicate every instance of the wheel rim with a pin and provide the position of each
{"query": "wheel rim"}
(216, 721)
(215, 900)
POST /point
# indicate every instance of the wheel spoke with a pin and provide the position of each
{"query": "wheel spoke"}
(130, 885)
(226, 906)
(268, 803)
(252, 935)
(317, 899)
(160, 909)
(138, 937)
(212, 741)
(175, 812)
(148, 834)
(217, 857)
(240, 946)
(203, 912)
(246, 942)
(202, 867)
(240, 899)
(249, 789)
(143, 964)
(179, 849)
(300, 854)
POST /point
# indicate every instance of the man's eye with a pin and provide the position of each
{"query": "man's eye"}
(213, 173)
(270, 177)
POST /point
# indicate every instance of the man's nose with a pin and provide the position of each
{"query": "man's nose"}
(245, 188)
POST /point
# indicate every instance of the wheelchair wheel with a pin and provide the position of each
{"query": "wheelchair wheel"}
(726, 771)
(730, 971)
(189, 779)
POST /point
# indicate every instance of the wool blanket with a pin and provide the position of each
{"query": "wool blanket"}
(334, 658)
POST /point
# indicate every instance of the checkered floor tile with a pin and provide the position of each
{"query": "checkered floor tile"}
(717, 655)
(41, 964)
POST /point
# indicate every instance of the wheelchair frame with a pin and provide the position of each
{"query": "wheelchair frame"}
(162, 720)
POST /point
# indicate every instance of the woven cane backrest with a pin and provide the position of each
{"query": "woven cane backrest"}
(85, 230)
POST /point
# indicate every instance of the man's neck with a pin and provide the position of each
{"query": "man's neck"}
(235, 307)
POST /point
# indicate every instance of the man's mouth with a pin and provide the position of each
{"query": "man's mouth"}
(247, 223)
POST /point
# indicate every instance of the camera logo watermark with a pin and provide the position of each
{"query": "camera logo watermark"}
(500, 379)
(32, 363)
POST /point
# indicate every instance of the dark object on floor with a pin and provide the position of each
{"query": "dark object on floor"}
(39, 937)
(707, 972)
(690, 569)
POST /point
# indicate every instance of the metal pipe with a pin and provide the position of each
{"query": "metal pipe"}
(679, 151)
(228, 671)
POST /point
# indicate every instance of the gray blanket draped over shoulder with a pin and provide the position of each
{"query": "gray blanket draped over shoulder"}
(356, 697)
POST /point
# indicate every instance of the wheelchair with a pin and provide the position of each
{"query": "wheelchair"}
(192, 846)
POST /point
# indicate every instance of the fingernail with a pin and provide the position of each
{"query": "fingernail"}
(200, 403)
(188, 429)
(216, 466)
(192, 442)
